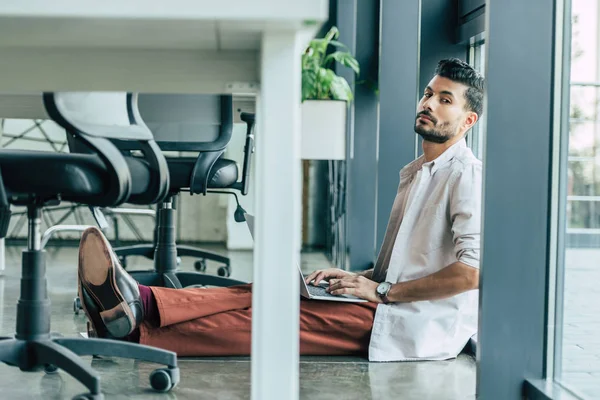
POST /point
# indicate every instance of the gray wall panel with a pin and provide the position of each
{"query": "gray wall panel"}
(473, 27)
(468, 6)
(359, 27)
(439, 35)
(398, 78)
(517, 177)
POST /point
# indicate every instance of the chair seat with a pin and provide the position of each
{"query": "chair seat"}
(223, 174)
(76, 177)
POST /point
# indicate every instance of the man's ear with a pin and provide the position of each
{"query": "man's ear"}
(471, 119)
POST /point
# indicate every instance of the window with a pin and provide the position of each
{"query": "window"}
(576, 342)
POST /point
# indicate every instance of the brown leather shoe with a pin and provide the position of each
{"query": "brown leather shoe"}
(109, 296)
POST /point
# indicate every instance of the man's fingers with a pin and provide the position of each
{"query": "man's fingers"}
(344, 290)
(340, 283)
(316, 276)
(320, 276)
(311, 277)
(332, 284)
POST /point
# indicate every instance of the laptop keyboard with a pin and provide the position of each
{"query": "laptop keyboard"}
(318, 291)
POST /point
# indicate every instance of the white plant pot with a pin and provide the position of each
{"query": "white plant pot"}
(323, 130)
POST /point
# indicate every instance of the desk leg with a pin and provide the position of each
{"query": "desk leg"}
(275, 300)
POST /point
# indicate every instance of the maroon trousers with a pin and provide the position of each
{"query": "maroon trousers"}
(217, 322)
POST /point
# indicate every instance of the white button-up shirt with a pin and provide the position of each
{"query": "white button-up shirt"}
(435, 221)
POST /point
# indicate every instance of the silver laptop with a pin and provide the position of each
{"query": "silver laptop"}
(309, 291)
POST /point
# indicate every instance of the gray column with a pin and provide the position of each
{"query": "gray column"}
(439, 37)
(439, 40)
(398, 93)
(358, 21)
(471, 19)
(517, 192)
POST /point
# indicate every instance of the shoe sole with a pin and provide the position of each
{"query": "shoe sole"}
(97, 279)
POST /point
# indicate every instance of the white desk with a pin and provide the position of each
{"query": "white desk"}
(195, 46)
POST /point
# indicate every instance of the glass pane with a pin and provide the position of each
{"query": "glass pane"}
(584, 139)
(577, 362)
(583, 215)
(584, 176)
(584, 101)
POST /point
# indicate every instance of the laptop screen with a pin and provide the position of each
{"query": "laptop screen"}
(250, 223)
(303, 287)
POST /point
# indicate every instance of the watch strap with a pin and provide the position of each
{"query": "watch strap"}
(384, 297)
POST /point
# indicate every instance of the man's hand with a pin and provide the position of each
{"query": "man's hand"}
(326, 275)
(358, 286)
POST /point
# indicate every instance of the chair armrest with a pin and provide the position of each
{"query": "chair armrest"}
(4, 210)
(201, 171)
(242, 186)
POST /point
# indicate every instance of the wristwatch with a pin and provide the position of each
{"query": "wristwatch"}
(382, 290)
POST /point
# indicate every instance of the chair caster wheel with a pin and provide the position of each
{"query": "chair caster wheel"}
(200, 265)
(164, 379)
(76, 305)
(89, 396)
(50, 368)
(224, 271)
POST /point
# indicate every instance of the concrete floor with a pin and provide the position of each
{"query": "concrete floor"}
(215, 378)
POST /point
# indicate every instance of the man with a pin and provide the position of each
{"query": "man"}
(422, 294)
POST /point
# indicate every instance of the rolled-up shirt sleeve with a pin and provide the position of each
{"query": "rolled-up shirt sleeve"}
(465, 213)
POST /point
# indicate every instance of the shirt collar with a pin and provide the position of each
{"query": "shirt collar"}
(436, 164)
(412, 168)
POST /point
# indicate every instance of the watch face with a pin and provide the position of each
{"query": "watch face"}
(383, 288)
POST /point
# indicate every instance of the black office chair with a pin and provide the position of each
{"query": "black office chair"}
(190, 123)
(101, 176)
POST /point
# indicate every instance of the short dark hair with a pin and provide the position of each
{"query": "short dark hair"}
(459, 71)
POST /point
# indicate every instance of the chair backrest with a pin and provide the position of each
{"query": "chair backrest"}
(100, 114)
(95, 122)
(188, 122)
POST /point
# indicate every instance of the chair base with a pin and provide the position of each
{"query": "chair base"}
(143, 250)
(148, 250)
(53, 353)
(34, 348)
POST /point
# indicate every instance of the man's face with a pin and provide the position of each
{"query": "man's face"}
(441, 113)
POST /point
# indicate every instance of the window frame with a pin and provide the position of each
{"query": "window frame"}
(476, 58)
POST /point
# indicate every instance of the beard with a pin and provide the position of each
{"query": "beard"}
(436, 134)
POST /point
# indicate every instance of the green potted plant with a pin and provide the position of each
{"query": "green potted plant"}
(325, 98)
